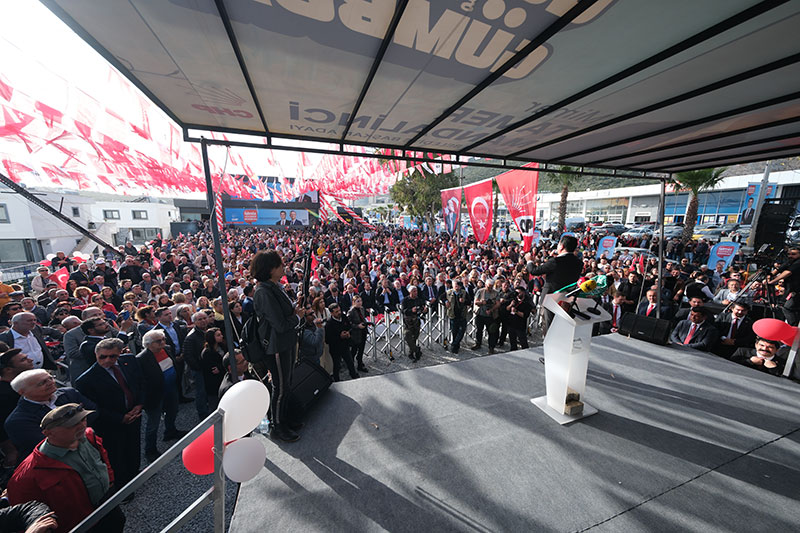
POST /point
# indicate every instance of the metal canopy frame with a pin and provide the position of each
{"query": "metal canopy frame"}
(402, 8)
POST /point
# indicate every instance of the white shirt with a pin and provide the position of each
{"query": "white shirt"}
(30, 347)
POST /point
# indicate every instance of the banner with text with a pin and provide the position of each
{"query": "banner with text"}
(722, 251)
(606, 247)
(519, 189)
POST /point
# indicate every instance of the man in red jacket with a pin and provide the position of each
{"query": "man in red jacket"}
(68, 470)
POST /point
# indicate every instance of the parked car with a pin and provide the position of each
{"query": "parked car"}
(637, 233)
(609, 229)
(727, 229)
(634, 251)
(710, 234)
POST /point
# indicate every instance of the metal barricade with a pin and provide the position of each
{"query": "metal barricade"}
(215, 495)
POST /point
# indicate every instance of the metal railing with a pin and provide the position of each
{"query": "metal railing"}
(215, 494)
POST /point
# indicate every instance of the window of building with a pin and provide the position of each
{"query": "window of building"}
(4, 214)
(76, 212)
(111, 214)
(139, 214)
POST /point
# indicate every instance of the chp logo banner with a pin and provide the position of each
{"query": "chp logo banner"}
(722, 251)
(519, 189)
(451, 209)
(479, 203)
(606, 246)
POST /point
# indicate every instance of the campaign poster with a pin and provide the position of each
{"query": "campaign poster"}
(266, 217)
(536, 237)
(606, 247)
(723, 251)
(750, 199)
(502, 234)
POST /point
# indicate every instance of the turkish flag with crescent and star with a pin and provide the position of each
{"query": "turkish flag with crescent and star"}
(60, 276)
(479, 203)
(519, 189)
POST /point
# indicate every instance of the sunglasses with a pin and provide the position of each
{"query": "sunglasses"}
(110, 356)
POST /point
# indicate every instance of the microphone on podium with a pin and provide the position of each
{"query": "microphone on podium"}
(584, 288)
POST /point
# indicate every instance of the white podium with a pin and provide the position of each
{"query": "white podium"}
(566, 355)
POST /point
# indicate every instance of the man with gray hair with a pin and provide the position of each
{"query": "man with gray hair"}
(160, 390)
(39, 395)
(192, 348)
(76, 336)
(27, 335)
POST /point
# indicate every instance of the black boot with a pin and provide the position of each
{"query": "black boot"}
(282, 432)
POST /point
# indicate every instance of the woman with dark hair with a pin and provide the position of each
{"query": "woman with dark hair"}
(111, 297)
(237, 320)
(358, 332)
(277, 313)
(211, 364)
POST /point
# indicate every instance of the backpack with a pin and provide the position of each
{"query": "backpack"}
(252, 342)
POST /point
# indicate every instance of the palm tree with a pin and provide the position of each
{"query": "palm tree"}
(696, 181)
(565, 181)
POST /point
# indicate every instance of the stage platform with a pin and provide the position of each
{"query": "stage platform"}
(684, 441)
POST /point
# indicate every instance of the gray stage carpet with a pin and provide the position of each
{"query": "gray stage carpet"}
(684, 441)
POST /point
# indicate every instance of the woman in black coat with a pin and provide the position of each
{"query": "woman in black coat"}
(278, 320)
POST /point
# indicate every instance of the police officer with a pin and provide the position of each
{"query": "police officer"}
(413, 307)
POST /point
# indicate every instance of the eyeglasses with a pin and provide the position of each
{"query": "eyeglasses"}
(109, 356)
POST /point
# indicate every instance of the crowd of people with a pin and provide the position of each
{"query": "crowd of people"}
(135, 332)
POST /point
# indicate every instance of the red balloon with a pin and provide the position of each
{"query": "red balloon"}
(45, 262)
(789, 339)
(198, 457)
(773, 329)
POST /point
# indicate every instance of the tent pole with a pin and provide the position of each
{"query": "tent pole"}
(661, 215)
(223, 294)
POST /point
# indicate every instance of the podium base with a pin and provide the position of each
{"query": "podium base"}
(561, 418)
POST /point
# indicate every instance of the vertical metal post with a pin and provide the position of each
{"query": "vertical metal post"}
(460, 239)
(218, 494)
(218, 257)
(386, 332)
(662, 208)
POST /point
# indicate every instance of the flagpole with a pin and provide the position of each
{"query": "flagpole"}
(460, 196)
(223, 294)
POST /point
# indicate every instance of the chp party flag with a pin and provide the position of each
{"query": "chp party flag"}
(722, 251)
(451, 209)
(519, 189)
(606, 246)
(479, 203)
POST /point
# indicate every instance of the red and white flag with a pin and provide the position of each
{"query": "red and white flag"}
(60, 276)
(451, 209)
(519, 189)
(479, 204)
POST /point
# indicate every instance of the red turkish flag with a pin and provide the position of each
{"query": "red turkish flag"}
(60, 276)
(519, 189)
(479, 204)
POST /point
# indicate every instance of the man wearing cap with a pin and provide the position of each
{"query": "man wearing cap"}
(114, 383)
(39, 396)
(69, 471)
(101, 268)
(12, 363)
(27, 335)
(697, 332)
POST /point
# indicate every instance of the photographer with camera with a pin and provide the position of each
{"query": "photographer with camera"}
(457, 308)
(276, 311)
(413, 308)
(790, 273)
(518, 312)
(312, 340)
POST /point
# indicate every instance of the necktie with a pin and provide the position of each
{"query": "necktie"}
(733, 329)
(690, 334)
(649, 308)
(123, 385)
(614, 317)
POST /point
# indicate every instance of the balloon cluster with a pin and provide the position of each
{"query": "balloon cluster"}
(775, 330)
(77, 257)
(245, 405)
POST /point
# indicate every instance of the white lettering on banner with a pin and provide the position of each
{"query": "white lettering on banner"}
(321, 10)
(474, 38)
(223, 111)
(367, 16)
(414, 30)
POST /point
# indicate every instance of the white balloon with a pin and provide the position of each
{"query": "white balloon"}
(245, 404)
(49, 257)
(243, 459)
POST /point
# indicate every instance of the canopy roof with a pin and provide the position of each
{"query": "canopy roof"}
(635, 84)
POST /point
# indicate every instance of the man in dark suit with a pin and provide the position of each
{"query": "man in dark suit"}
(282, 221)
(698, 332)
(192, 348)
(735, 330)
(27, 335)
(294, 221)
(559, 271)
(114, 383)
(386, 298)
(648, 307)
(614, 308)
(631, 288)
(39, 395)
(95, 330)
(160, 391)
(175, 335)
(368, 296)
(764, 356)
(747, 214)
(683, 312)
